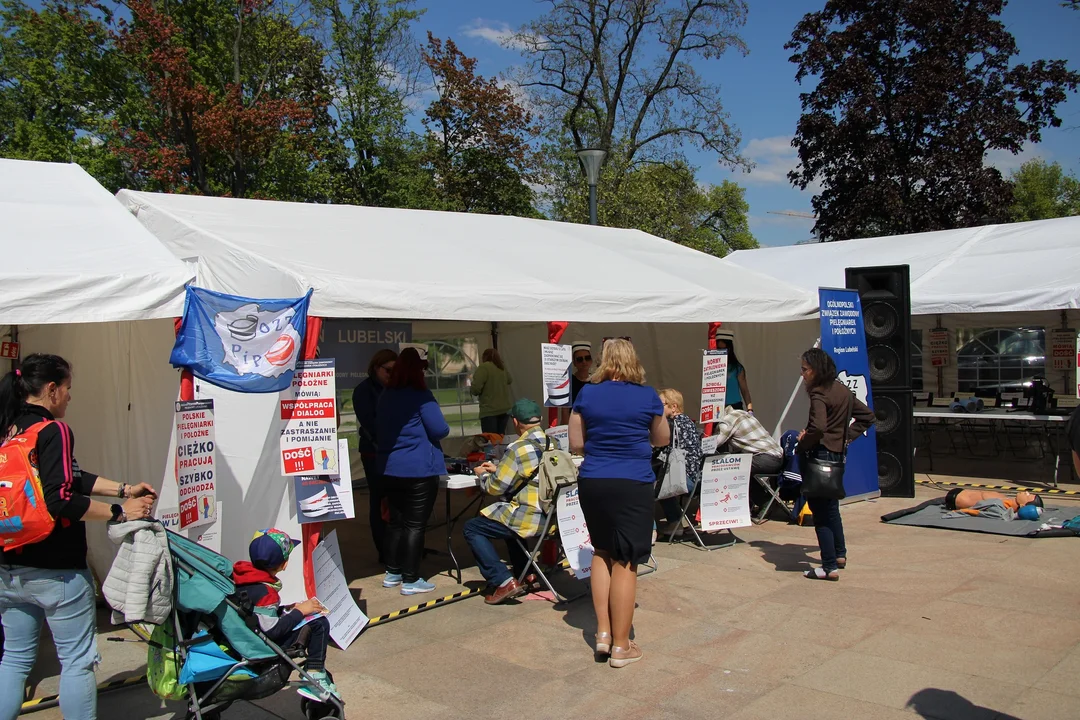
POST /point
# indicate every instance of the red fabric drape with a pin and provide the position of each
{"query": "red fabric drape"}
(713, 327)
(556, 330)
(310, 532)
(187, 381)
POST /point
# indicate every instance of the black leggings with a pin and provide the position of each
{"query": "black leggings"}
(411, 502)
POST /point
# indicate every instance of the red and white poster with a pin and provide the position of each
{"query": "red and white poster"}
(574, 533)
(725, 492)
(714, 365)
(9, 350)
(939, 347)
(1062, 343)
(309, 443)
(196, 484)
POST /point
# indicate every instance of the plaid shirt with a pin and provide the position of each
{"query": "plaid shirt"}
(743, 433)
(520, 463)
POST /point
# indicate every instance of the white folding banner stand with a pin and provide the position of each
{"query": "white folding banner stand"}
(250, 487)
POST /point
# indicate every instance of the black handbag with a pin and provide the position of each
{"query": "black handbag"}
(824, 479)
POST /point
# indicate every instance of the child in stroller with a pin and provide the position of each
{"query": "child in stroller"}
(257, 584)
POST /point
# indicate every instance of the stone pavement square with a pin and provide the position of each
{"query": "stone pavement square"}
(924, 623)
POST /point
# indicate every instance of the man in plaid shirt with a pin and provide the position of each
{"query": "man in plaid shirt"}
(738, 431)
(516, 480)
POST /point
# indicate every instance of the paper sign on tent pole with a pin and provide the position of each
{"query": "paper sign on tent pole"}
(714, 373)
(309, 443)
(195, 460)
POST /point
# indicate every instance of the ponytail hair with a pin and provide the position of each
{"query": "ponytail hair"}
(17, 386)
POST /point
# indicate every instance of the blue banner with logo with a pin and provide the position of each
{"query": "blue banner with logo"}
(843, 337)
(238, 343)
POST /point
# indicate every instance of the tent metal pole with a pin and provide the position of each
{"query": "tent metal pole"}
(791, 401)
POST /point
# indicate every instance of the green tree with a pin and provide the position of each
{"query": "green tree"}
(909, 98)
(478, 137)
(1042, 191)
(663, 199)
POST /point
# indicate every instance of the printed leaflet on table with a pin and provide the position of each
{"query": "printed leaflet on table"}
(346, 619)
(309, 442)
(725, 492)
(196, 486)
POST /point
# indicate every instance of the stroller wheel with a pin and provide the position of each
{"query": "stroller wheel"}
(317, 711)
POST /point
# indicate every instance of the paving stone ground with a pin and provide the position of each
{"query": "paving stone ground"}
(924, 623)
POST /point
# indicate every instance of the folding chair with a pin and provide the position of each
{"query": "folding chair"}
(766, 481)
(549, 529)
(684, 519)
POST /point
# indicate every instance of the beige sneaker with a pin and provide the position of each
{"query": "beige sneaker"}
(622, 657)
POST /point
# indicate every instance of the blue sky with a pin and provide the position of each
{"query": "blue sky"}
(761, 94)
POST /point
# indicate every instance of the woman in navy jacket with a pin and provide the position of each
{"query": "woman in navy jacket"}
(410, 461)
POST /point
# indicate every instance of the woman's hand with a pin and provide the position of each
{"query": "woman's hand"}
(140, 490)
(138, 508)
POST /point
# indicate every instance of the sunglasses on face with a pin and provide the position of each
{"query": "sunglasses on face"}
(583, 358)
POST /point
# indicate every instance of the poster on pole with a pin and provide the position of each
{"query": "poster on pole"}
(209, 536)
(939, 347)
(326, 498)
(725, 492)
(576, 542)
(843, 337)
(309, 442)
(196, 486)
(1062, 343)
(557, 363)
(714, 367)
(331, 587)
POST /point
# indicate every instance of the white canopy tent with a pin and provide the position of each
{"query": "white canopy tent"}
(452, 274)
(83, 279)
(1019, 274)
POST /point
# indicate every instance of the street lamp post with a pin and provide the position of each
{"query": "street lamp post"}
(591, 161)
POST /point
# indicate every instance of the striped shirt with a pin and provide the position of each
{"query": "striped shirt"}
(742, 433)
(518, 469)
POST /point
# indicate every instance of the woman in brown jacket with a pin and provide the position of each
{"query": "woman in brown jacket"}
(831, 404)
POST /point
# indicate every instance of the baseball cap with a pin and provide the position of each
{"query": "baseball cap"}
(526, 411)
(270, 548)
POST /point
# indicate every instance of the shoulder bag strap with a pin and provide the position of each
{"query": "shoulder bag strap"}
(847, 425)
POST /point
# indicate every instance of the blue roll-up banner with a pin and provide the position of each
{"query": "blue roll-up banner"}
(842, 336)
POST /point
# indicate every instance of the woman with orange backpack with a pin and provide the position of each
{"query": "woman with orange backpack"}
(43, 571)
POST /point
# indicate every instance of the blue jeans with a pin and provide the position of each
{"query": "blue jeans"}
(827, 523)
(65, 598)
(479, 532)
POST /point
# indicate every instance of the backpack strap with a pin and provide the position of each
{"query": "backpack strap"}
(510, 494)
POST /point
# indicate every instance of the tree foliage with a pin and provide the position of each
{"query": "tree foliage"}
(1042, 191)
(478, 136)
(910, 95)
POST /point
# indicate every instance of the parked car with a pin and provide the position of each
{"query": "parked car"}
(1001, 360)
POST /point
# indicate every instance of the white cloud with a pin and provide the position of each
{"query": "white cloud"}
(499, 33)
(773, 158)
(1006, 162)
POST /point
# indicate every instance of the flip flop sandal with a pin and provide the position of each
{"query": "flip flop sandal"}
(820, 574)
(841, 563)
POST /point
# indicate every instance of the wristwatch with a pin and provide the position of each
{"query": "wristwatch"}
(118, 514)
(121, 492)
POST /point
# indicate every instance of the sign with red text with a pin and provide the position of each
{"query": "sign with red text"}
(309, 443)
(939, 347)
(1062, 343)
(209, 536)
(725, 492)
(196, 484)
(9, 350)
(714, 365)
(576, 542)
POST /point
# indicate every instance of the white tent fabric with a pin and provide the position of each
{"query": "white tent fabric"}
(366, 262)
(1017, 267)
(72, 254)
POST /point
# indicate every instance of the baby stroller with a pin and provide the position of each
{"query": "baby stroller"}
(217, 648)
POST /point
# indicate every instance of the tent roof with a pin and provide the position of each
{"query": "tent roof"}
(414, 264)
(995, 268)
(72, 254)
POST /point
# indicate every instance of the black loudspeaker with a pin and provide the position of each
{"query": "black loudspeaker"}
(895, 443)
(886, 305)
(885, 296)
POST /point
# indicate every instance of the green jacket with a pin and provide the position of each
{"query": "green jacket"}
(492, 385)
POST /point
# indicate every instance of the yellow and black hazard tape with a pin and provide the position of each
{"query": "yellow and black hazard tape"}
(405, 612)
(1010, 488)
(52, 700)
